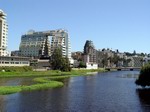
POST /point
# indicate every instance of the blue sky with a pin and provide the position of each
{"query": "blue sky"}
(116, 24)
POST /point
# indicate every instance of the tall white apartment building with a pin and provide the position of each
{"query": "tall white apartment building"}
(3, 34)
(36, 44)
(61, 40)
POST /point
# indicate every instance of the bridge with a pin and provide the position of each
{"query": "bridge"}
(122, 68)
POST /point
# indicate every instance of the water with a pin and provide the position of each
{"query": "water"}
(104, 92)
(15, 81)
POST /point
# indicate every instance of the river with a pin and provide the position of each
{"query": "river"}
(103, 92)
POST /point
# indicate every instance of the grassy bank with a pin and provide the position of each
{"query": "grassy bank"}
(14, 69)
(29, 73)
(9, 89)
(14, 89)
(43, 84)
(44, 80)
(46, 73)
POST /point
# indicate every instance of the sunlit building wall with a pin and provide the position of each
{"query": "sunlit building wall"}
(36, 44)
(3, 34)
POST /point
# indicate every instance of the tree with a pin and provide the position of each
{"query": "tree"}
(126, 62)
(58, 62)
(142, 54)
(103, 49)
(128, 54)
(104, 62)
(66, 65)
(115, 59)
(117, 51)
(82, 64)
(134, 52)
(144, 77)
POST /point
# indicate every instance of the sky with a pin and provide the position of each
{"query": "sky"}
(114, 24)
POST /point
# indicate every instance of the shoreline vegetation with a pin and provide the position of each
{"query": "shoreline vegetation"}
(44, 79)
(144, 77)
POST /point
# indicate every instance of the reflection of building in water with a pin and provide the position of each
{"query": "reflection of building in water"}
(144, 97)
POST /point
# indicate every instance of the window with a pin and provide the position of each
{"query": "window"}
(6, 62)
(16, 62)
(24, 62)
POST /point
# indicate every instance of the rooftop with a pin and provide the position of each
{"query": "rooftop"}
(2, 14)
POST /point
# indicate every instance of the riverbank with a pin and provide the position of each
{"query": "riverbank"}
(4, 90)
(44, 80)
(47, 73)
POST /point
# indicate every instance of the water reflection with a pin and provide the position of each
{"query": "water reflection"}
(144, 95)
(15, 81)
(36, 101)
(2, 103)
(104, 92)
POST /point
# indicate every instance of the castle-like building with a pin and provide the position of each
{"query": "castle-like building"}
(90, 55)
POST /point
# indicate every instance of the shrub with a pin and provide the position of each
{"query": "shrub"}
(82, 65)
(144, 77)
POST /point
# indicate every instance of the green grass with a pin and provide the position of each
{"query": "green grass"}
(46, 73)
(29, 74)
(51, 84)
(44, 80)
(40, 86)
(9, 89)
(14, 89)
(42, 83)
(14, 69)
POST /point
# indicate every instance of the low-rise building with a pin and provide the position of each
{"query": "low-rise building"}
(14, 61)
(40, 63)
(146, 60)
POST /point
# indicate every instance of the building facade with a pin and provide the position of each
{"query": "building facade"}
(14, 61)
(37, 44)
(15, 53)
(90, 50)
(60, 39)
(3, 34)
(90, 55)
(77, 56)
(33, 44)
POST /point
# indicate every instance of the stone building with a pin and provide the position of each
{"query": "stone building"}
(90, 55)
